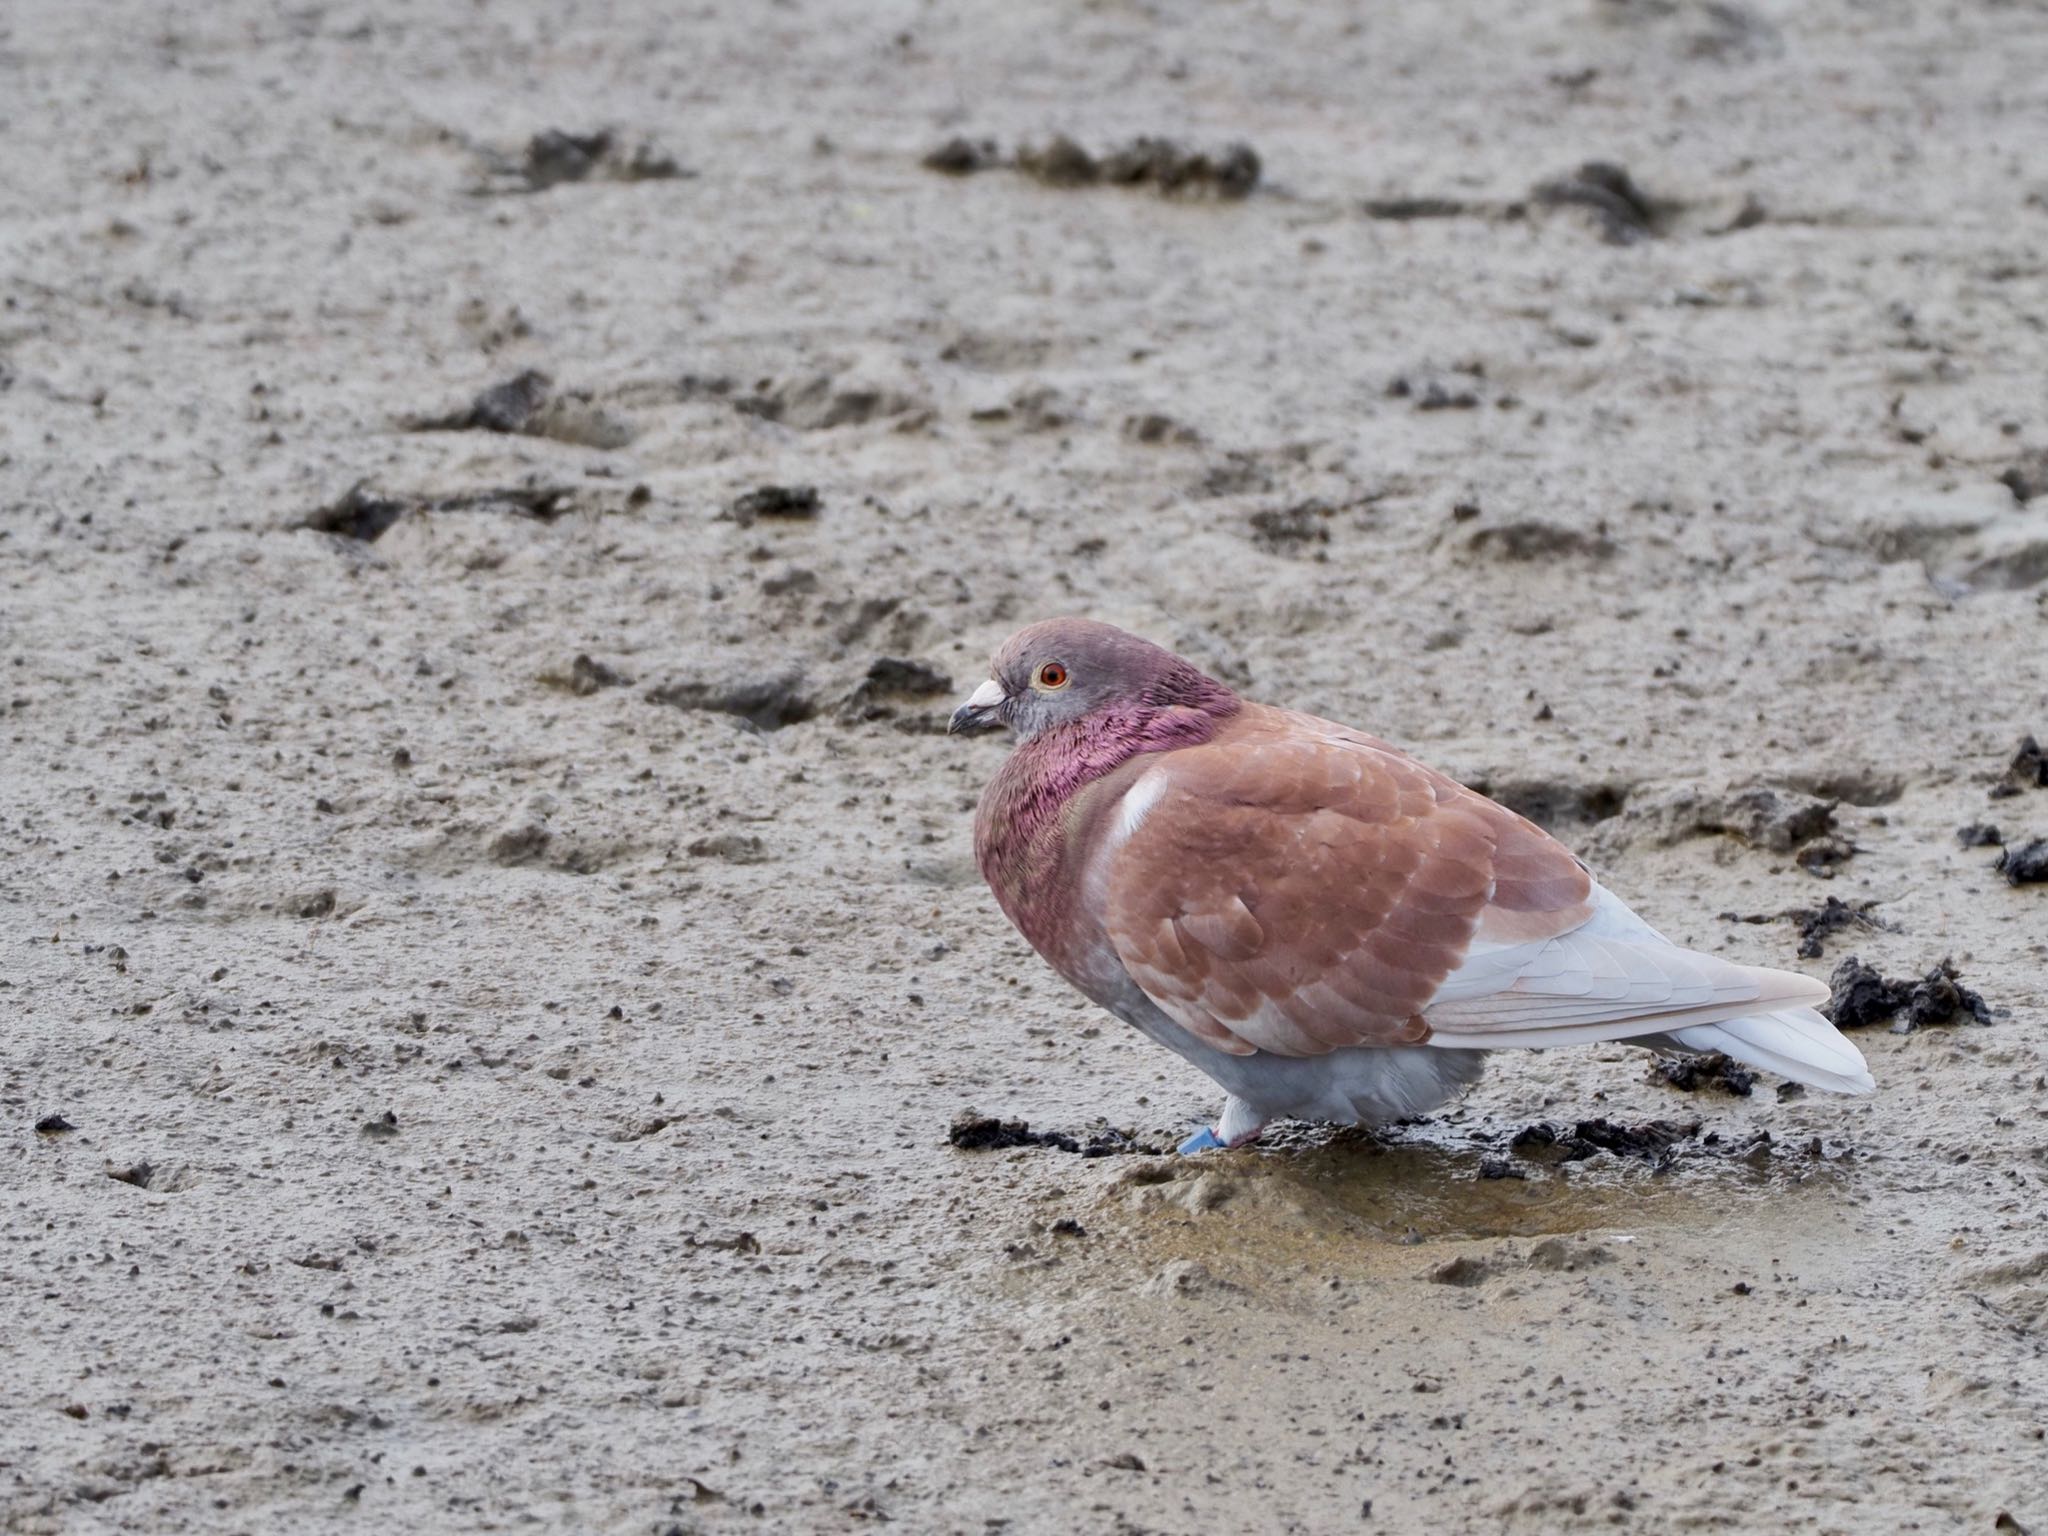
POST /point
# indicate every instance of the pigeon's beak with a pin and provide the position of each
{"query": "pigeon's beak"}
(979, 712)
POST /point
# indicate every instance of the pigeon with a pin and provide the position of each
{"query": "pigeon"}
(1328, 928)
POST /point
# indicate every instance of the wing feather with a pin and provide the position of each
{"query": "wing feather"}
(1298, 888)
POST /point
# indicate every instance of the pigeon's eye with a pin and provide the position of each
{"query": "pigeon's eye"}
(1052, 675)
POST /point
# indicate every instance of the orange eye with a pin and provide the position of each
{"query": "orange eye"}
(1052, 675)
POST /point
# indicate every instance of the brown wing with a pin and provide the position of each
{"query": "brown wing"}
(1294, 887)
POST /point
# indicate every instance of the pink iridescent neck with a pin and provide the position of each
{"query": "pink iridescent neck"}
(1020, 834)
(1067, 758)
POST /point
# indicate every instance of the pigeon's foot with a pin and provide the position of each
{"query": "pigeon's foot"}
(1237, 1125)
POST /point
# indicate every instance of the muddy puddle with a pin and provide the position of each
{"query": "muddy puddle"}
(1443, 1185)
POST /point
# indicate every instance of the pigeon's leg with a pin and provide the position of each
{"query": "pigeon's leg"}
(1238, 1124)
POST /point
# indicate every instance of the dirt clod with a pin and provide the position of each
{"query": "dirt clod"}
(1862, 997)
(1402, 209)
(1292, 530)
(2029, 765)
(358, 513)
(53, 1125)
(1779, 820)
(1817, 924)
(1059, 163)
(1625, 213)
(554, 157)
(1436, 396)
(584, 676)
(1980, 834)
(1232, 172)
(2026, 864)
(504, 407)
(2027, 476)
(1464, 1270)
(1712, 1070)
(527, 405)
(975, 1132)
(963, 157)
(1532, 539)
(1556, 803)
(1228, 173)
(1652, 1140)
(766, 703)
(891, 680)
(732, 847)
(791, 501)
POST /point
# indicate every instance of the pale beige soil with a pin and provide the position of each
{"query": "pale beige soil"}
(298, 831)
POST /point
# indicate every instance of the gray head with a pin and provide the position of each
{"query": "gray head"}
(1062, 671)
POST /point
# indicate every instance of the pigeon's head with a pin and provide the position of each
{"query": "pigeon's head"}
(1064, 671)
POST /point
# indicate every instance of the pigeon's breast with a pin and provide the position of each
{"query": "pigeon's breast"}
(1102, 820)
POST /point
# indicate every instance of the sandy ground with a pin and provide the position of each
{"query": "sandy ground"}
(526, 1080)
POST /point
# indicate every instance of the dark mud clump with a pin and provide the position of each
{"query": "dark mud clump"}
(585, 676)
(1296, 530)
(1060, 163)
(366, 515)
(2026, 864)
(1624, 212)
(891, 680)
(1152, 427)
(360, 513)
(527, 405)
(963, 157)
(766, 703)
(2027, 477)
(538, 499)
(732, 847)
(1772, 819)
(1710, 1071)
(974, 1132)
(822, 402)
(1229, 173)
(554, 158)
(790, 501)
(53, 1125)
(1652, 1141)
(506, 407)
(2029, 766)
(1863, 997)
(1532, 540)
(1817, 924)
(1404, 208)
(1980, 834)
(1555, 803)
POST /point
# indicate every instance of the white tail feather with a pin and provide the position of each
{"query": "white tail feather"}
(1796, 1043)
(1617, 978)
